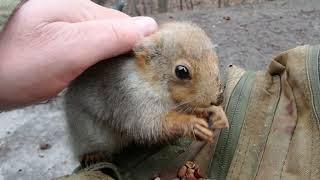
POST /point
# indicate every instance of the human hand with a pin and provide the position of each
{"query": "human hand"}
(46, 44)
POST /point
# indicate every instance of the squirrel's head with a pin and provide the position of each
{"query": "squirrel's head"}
(180, 57)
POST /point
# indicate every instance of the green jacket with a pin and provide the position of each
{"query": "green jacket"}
(274, 133)
(6, 9)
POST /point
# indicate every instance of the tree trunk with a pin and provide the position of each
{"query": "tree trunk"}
(162, 6)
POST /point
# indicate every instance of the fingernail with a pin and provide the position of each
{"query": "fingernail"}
(146, 25)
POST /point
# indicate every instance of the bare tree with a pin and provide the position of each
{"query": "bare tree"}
(132, 8)
(219, 3)
(189, 4)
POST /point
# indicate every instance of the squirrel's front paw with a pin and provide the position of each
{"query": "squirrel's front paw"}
(181, 124)
(199, 129)
(217, 118)
(215, 115)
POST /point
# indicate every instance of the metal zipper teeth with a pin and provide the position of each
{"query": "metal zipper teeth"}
(228, 142)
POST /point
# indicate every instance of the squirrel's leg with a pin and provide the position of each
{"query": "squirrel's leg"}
(91, 142)
(181, 124)
(92, 158)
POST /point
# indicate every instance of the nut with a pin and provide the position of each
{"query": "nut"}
(190, 164)
(182, 171)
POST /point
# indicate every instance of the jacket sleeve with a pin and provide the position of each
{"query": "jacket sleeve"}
(7, 7)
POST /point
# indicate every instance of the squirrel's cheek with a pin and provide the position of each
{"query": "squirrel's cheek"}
(181, 94)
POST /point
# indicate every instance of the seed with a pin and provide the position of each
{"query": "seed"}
(182, 171)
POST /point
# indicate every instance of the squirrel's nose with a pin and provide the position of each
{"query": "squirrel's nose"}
(219, 100)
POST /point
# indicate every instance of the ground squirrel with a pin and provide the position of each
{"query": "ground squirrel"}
(148, 97)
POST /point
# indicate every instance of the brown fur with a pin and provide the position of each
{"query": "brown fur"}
(140, 99)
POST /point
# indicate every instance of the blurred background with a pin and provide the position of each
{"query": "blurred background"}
(149, 7)
(247, 33)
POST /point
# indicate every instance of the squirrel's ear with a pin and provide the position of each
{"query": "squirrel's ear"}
(145, 50)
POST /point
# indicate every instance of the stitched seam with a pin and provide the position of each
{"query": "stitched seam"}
(241, 130)
(312, 144)
(268, 135)
(318, 69)
(308, 69)
(315, 96)
(246, 152)
(285, 159)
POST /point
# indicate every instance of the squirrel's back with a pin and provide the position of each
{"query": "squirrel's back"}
(115, 96)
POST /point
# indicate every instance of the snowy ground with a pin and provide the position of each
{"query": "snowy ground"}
(252, 36)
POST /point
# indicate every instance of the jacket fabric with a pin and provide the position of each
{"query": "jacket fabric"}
(7, 8)
(274, 120)
(274, 133)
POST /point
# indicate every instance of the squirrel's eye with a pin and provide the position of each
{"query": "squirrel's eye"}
(182, 72)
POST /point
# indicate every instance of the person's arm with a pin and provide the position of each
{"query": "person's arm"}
(47, 44)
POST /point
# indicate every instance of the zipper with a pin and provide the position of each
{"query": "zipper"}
(228, 138)
(313, 73)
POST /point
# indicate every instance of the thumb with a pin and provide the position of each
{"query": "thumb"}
(102, 39)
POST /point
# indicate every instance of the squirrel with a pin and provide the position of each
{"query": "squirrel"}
(152, 95)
